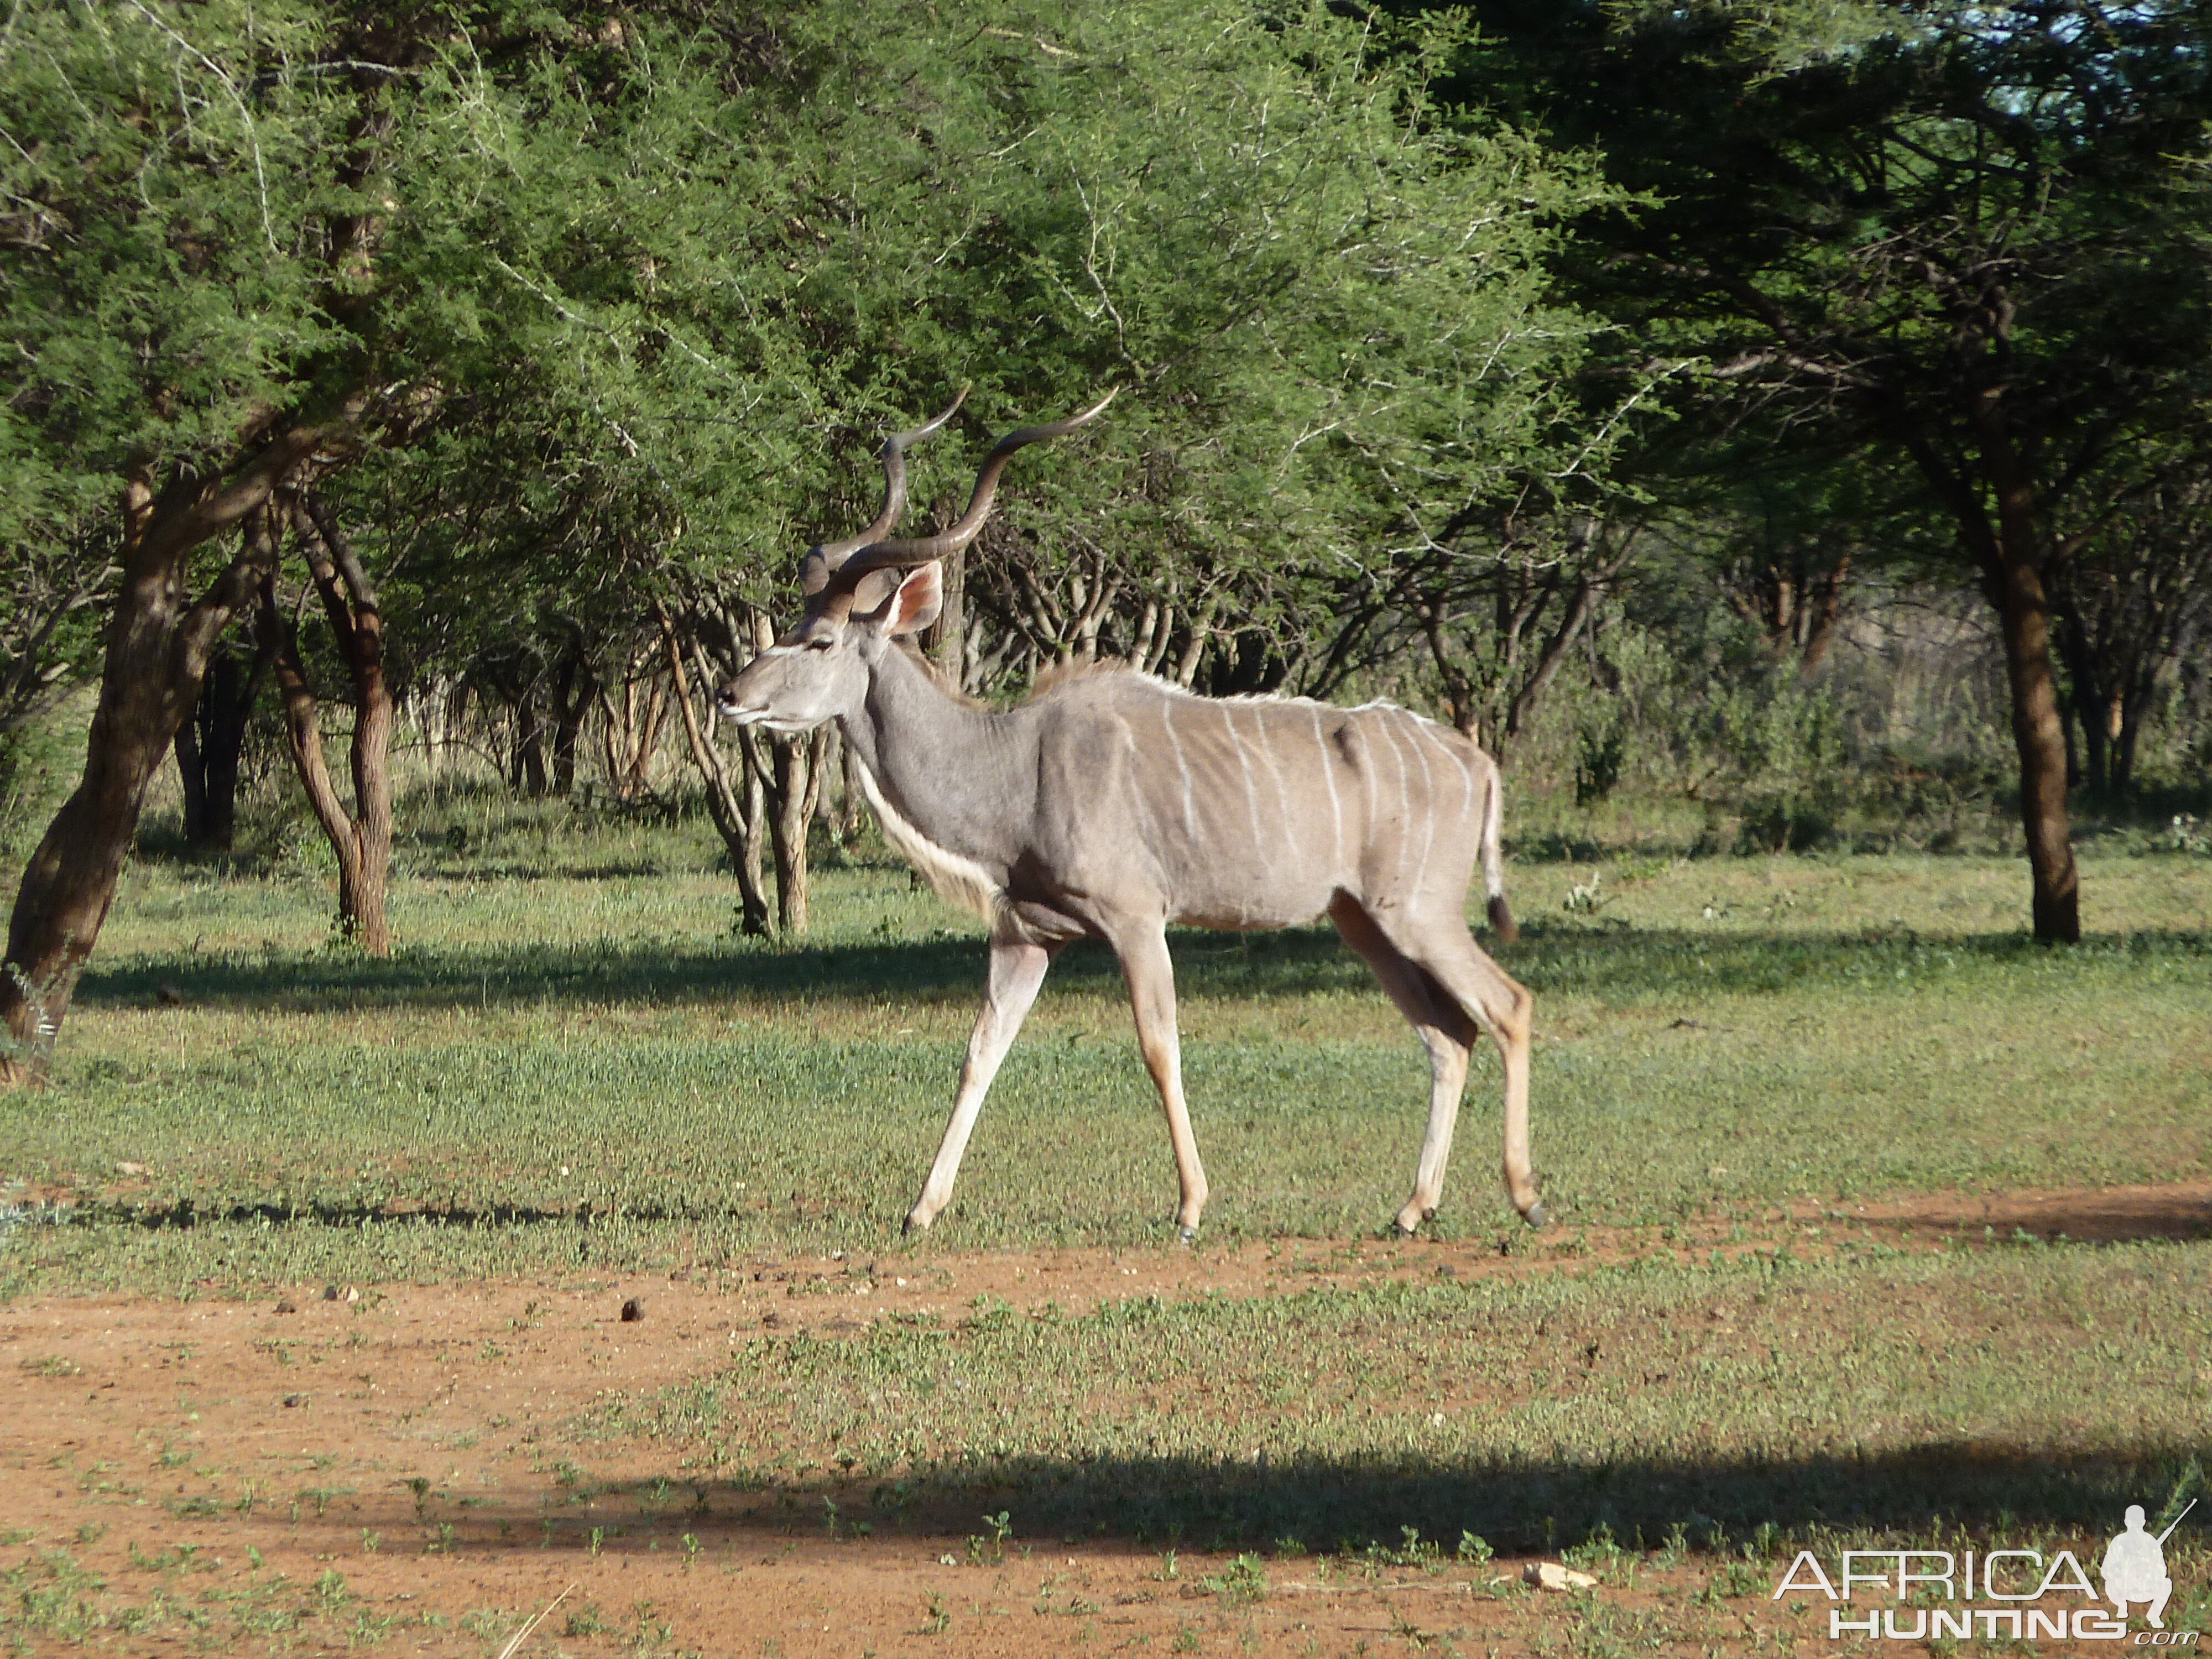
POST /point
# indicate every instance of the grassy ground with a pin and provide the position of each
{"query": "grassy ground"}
(572, 1058)
(1697, 1399)
(573, 1068)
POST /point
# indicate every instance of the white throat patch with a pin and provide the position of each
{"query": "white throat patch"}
(960, 882)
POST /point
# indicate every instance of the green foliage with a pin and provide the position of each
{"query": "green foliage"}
(627, 301)
(1787, 745)
(159, 294)
(1244, 1580)
(1601, 742)
(1931, 287)
(1811, 199)
(37, 763)
(680, 306)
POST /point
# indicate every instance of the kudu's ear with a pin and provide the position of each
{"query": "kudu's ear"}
(917, 602)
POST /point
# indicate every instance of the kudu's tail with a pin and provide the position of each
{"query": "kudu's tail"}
(1493, 861)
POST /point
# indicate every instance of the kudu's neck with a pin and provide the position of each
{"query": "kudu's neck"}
(954, 773)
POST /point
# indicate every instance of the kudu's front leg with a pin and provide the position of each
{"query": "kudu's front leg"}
(1017, 969)
(1151, 975)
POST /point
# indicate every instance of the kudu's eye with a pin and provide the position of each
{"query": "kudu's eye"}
(821, 643)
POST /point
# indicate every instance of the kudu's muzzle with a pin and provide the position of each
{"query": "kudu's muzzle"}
(733, 703)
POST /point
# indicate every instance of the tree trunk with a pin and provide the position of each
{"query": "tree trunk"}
(946, 642)
(856, 800)
(793, 785)
(529, 774)
(2087, 701)
(1822, 623)
(838, 809)
(157, 652)
(789, 772)
(734, 803)
(2013, 582)
(2039, 734)
(432, 707)
(638, 736)
(208, 748)
(360, 839)
(357, 620)
(2135, 706)
(749, 871)
(574, 688)
(194, 777)
(1549, 660)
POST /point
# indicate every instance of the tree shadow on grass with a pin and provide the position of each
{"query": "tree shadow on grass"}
(1606, 963)
(2176, 1213)
(1720, 1504)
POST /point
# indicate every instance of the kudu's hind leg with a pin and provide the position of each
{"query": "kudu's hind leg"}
(1504, 1006)
(1017, 969)
(1143, 949)
(1445, 1031)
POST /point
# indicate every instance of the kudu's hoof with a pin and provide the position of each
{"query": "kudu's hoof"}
(1400, 1228)
(1186, 1235)
(1534, 1215)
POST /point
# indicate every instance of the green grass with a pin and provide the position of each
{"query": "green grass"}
(49, 1597)
(2017, 1393)
(573, 1066)
(572, 1061)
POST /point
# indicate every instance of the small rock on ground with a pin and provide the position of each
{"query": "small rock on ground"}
(1551, 1575)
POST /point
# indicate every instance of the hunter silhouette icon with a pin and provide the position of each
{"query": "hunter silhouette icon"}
(2135, 1566)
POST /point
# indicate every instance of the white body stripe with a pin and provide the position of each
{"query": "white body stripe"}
(1429, 817)
(1167, 725)
(1282, 800)
(1143, 803)
(1244, 765)
(1335, 801)
(1404, 791)
(1466, 776)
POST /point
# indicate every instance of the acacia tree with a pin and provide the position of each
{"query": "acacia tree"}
(205, 308)
(620, 300)
(359, 836)
(1499, 630)
(1329, 311)
(1965, 237)
(161, 333)
(2132, 587)
(210, 742)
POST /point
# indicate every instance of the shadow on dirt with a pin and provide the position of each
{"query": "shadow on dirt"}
(2114, 1216)
(1413, 1509)
(2120, 1215)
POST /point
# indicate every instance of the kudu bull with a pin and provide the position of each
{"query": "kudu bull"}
(1112, 805)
